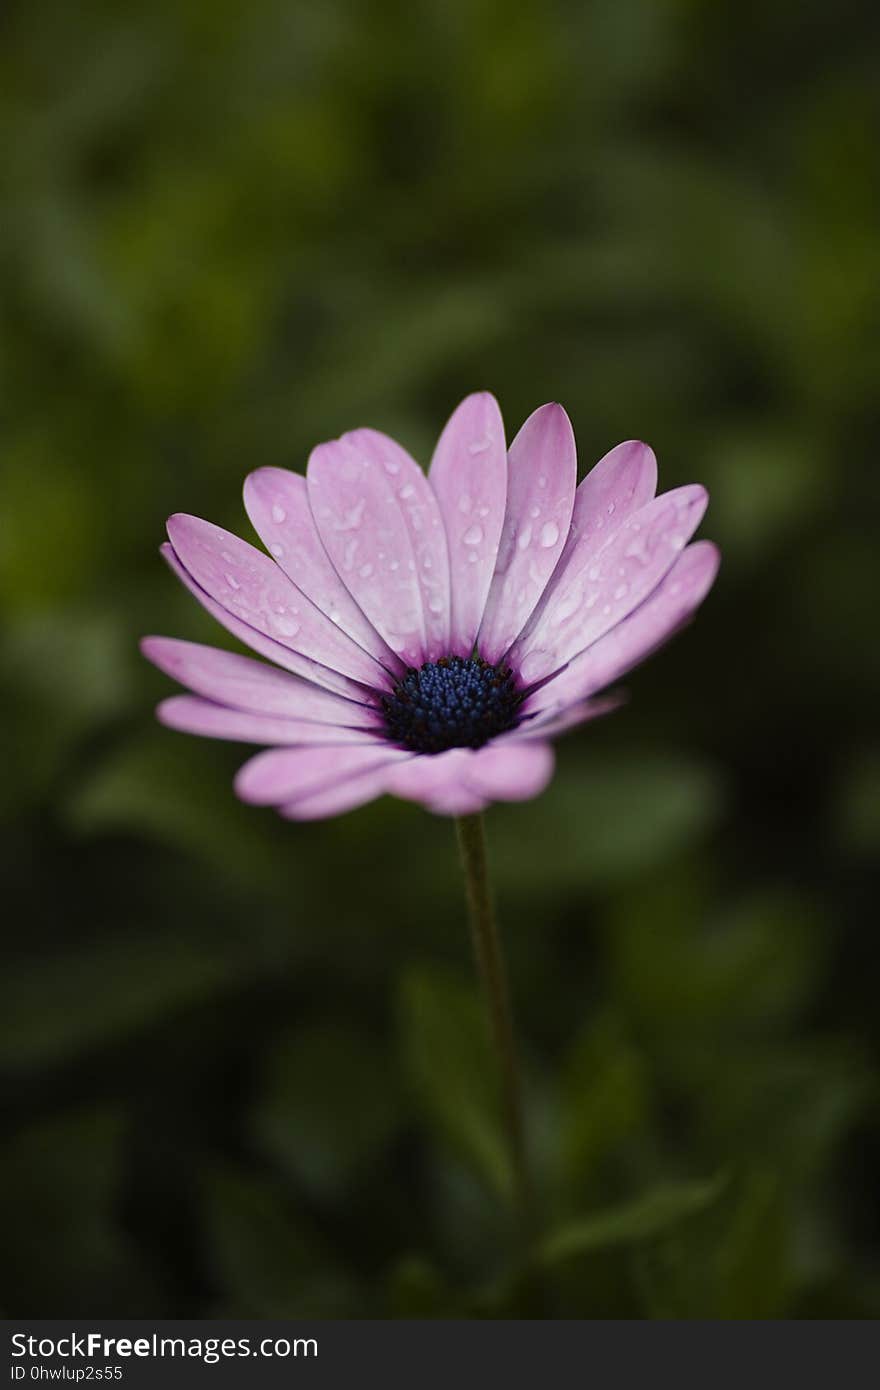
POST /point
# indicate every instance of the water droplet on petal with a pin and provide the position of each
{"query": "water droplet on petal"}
(549, 534)
(232, 581)
(392, 465)
(286, 626)
(365, 571)
(465, 502)
(406, 492)
(479, 446)
(435, 604)
(535, 665)
(277, 550)
(278, 514)
(524, 539)
(473, 535)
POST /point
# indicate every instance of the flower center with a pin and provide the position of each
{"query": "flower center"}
(455, 702)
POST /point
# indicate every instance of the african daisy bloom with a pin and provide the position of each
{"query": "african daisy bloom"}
(430, 635)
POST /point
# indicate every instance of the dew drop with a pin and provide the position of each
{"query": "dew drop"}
(286, 626)
(534, 665)
(232, 581)
(365, 571)
(435, 604)
(352, 518)
(473, 535)
(621, 591)
(406, 492)
(524, 538)
(277, 550)
(549, 534)
(392, 465)
(473, 557)
(465, 502)
(278, 514)
(535, 511)
(479, 446)
(565, 610)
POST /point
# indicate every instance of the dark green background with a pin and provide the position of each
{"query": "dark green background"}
(242, 1063)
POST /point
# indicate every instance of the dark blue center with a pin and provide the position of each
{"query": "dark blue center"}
(455, 702)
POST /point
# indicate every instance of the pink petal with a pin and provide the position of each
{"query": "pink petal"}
(193, 715)
(438, 783)
(230, 679)
(381, 526)
(277, 503)
(592, 598)
(556, 720)
(335, 801)
(669, 606)
(259, 642)
(251, 587)
(283, 775)
(464, 780)
(469, 477)
(504, 771)
(622, 482)
(542, 471)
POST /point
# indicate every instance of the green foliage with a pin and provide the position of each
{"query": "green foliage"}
(243, 1064)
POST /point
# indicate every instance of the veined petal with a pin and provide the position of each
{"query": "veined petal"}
(230, 679)
(469, 478)
(276, 500)
(438, 783)
(592, 598)
(622, 482)
(381, 526)
(284, 775)
(258, 641)
(670, 606)
(250, 586)
(347, 795)
(465, 780)
(192, 714)
(541, 477)
(507, 771)
(559, 719)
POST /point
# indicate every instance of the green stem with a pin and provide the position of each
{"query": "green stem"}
(493, 974)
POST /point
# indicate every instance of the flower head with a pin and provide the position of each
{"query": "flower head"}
(431, 635)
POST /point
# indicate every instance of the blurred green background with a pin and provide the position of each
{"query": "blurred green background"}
(242, 1062)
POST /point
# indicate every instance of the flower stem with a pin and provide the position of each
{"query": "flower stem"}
(493, 974)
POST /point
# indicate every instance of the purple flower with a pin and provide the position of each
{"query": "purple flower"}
(432, 634)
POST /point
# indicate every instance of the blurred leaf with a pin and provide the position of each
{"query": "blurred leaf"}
(607, 817)
(174, 790)
(858, 805)
(752, 1257)
(605, 1091)
(646, 1218)
(269, 1265)
(751, 966)
(56, 1009)
(328, 1107)
(452, 1071)
(417, 1290)
(60, 1186)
